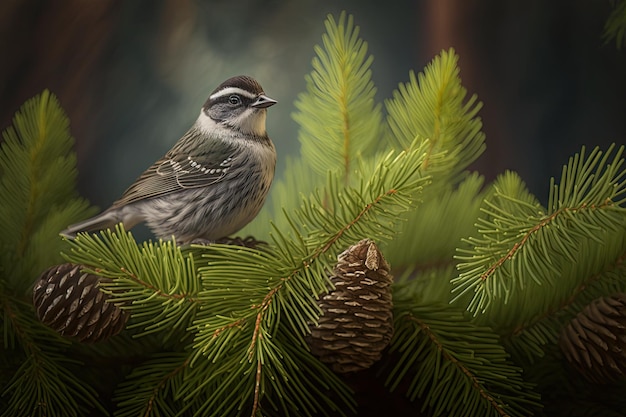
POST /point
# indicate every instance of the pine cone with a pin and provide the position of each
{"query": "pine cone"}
(357, 322)
(69, 301)
(594, 342)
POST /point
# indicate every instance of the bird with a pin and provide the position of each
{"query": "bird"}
(212, 182)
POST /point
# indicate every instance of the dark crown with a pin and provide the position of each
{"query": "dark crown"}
(241, 81)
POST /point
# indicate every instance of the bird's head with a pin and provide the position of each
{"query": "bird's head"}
(240, 104)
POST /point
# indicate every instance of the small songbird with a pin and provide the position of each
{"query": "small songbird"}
(212, 182)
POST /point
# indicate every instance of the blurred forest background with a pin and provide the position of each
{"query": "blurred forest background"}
(132, 75)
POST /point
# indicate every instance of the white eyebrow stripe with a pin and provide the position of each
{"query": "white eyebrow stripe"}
(232, 90)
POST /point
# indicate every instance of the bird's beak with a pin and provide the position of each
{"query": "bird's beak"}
(263, 101)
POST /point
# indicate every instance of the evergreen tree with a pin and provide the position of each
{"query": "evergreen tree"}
(501, 306)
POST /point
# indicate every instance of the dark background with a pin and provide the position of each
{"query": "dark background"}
(132, 75)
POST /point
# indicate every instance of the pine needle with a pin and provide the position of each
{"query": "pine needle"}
(526, 260)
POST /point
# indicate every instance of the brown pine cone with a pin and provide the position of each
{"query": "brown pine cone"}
(357, 321)
(69, 301)
(594, 342)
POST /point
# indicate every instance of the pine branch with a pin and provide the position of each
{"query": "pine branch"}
(337, 115)
(43, 385)
(528, 341)
(589, 182)
(456, 366)
(156, 282)
(37, 169)
(426, 285)
(454, 135)
(395, 181)
(329, 220)
(432, 232)
(523, 247)
(148, 388)
(433, 106)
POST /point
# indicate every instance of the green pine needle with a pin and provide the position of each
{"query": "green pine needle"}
(37, 185)
(457, 367)
(432, 232)
(529, 340)
(433, 106)
(526, 260)
(338, 117)
(156, 282)
(151, 387)
(37, 182)
(46, 383)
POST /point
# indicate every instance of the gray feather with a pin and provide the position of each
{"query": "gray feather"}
(180, 169)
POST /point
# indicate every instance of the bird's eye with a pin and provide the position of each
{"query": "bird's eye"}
(234, 99)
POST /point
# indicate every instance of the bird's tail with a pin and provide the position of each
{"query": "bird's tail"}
(102, 221)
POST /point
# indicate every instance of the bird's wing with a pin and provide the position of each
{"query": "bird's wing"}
(177, 171)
